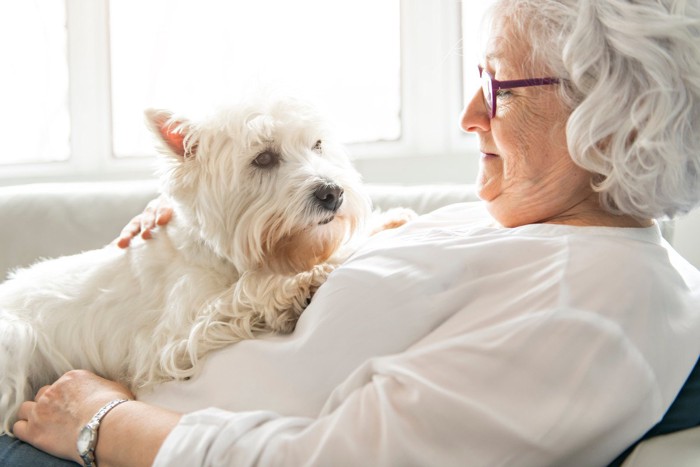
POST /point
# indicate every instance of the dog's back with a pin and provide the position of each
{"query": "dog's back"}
(108, 310)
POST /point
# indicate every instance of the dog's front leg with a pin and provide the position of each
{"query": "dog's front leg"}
(391, 219)
(259, 303)
(280, 299)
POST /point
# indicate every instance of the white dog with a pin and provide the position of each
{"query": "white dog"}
(266, 204)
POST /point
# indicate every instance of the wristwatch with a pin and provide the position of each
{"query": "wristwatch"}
(87, 438)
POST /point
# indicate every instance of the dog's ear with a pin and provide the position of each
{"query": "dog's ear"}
(175, 134)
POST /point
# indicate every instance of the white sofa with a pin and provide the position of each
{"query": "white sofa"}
(49, 220)
(55, 219)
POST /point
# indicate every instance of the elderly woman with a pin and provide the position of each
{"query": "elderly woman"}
(548, 325)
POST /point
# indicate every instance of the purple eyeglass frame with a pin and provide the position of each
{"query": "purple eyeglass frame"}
(496, 85)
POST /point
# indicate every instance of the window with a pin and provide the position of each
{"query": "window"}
(388, 74)
(191, 54)
(473, 45)
(34, 123)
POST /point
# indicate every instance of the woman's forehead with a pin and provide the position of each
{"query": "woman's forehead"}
(506, 49)
(503, 49)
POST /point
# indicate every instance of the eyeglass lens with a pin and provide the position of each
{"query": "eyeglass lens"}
(486, 90)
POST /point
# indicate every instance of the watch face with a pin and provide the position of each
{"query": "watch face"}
(85, 438)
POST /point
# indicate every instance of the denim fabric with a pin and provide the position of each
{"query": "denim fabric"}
(15, 453)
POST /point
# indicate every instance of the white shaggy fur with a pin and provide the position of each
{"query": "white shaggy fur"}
(265, 205)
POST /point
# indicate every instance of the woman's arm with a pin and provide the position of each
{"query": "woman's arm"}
(129, 435)
(530, 391)
(560, 388)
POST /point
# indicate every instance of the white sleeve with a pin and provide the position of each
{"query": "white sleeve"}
(563, 387)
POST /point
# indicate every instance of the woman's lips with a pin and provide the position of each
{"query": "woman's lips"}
(488, 155)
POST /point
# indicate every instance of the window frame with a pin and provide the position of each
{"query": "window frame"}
(431, 147)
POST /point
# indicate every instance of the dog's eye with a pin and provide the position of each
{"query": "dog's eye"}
(318, 147)
(266, 159)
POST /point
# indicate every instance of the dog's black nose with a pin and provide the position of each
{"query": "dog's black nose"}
(329, 196)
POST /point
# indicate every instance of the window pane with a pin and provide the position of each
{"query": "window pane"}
(472, 40)
(192, 55)
(34, 122)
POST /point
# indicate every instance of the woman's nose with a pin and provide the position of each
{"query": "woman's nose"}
(475, 116)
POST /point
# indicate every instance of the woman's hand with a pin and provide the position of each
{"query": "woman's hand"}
(157, 212)
(53, 420)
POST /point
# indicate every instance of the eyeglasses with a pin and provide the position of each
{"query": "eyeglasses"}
(491, 86)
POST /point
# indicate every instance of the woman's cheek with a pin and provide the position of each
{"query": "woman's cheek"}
(490, 177)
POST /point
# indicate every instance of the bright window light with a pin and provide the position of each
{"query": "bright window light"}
(34, 122)
(190, 56)
(473, 44)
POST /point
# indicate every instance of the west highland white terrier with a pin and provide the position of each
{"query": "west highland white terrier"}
(266, 205)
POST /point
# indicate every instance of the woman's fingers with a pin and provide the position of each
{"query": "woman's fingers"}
(41, 392)
(163, 215)
(157, 212)
(130, 231)
(24, 410)
(148, 218)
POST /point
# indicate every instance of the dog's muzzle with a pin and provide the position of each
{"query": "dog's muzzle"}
(329, 196)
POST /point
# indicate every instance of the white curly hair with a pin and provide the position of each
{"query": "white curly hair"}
(631, 76)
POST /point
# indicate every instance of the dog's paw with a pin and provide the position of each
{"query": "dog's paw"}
(391, 219)
(283, 304)
(309, 281)
(318, 275)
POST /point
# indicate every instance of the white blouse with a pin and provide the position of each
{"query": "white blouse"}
(453, 341)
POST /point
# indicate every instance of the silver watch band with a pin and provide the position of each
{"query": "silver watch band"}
(87, 451)
(97, 418)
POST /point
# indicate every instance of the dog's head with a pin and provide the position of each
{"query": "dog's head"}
(262, 184)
